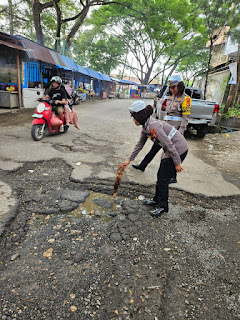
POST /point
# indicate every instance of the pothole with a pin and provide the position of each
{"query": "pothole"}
(99, 205)
(65, 148)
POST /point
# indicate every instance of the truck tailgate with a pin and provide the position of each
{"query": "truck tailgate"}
(202, 109)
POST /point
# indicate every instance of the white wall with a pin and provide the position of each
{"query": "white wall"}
(30, 97)
(217, 83)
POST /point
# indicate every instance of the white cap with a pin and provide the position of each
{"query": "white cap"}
(137, 106)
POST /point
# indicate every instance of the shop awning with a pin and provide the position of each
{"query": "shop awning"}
(10, 41)
(83, 70)
(12, 45)
(38, 52)
(124, 82)
(94, 74)
(69, 63)
(104, 77)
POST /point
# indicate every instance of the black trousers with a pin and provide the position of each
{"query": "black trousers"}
(151, 154)
(165, 172)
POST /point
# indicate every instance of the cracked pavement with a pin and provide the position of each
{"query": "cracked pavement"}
(69, 251)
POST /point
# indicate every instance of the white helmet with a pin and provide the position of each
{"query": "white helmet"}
(57, 79)
(137, 106)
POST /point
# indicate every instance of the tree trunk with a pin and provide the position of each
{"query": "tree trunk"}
(59, 25)
(77, 24)
(193, 81)
(36, 8)
(147, 75)
(10, 13)
(208, 67)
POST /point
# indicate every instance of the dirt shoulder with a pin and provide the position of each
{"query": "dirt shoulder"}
(222, 150)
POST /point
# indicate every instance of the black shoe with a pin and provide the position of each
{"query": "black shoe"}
(157, 212)
(173, 180)
(150, 203)
(138, 167)
(66, 127)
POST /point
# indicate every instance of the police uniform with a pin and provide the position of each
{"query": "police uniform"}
(174, 152)
(178, 111)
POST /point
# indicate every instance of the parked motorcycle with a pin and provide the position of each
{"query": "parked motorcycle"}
(76, 97)
(46, 122)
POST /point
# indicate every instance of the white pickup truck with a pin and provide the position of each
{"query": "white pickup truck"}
(203, 112)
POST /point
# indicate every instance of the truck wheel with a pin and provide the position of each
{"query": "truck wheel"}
(202, 131)
(37, 132)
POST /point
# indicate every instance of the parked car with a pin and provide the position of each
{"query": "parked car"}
(203, 112)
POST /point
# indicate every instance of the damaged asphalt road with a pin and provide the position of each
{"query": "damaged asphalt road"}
(116, 261)
(71, 251)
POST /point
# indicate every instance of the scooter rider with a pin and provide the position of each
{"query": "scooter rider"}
(58, 95)
(178, 111)
(174, 151)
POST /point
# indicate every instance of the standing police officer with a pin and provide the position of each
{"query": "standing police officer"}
(178, 111)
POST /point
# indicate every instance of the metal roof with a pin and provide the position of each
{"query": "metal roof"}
(42, 53)
(11, 41)
(37, 51)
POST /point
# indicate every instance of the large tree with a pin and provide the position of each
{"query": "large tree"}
(193, 65)
(157, 40)
(68, 16)
(98, 50)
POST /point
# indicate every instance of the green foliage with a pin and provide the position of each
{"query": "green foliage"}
(232, 112)
(157, 34)
(157, 31)
(101, 52)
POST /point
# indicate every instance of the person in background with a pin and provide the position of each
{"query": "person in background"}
(70, 113)
(58, 95)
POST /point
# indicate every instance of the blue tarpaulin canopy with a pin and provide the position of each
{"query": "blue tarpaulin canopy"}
(93, 74)
(104, 77)
(124, 82)
(83, 70)
(69, 63)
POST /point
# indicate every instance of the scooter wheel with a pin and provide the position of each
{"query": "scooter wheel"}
(37, 132)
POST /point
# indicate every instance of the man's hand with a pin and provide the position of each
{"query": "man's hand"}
(57, 102)
(179, 168)
(126, 163)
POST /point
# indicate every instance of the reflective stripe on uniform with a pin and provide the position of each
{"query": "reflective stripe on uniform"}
(172, 133)
(172, 118)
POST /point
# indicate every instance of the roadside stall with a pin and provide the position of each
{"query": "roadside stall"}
(11, 51)
(124, 88)
(147, 91)
(39, 64)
